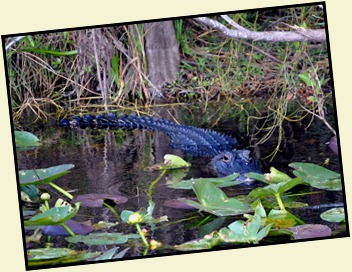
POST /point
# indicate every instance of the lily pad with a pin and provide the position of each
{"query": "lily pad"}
(310, 231)
(213, 200)
(25, 140)
(55, 216)
(77, 228)
(336, 215)
(97, 200)
(108, 255)
(219, 182)
(177, 204)
(45, 175)
(208, 242)
(276, 188)
(51, 256)
(173, 161)
(96, 239)
(317, 176)
(245, 232)
(142, 216)
(281, 219)
(276, 176)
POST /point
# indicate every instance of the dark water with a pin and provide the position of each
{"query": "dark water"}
(116, 162)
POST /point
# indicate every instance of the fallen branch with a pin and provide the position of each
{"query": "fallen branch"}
(298, 34)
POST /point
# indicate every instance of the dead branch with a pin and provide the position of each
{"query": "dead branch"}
(298, 34)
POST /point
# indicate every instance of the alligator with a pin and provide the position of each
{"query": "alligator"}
(226, 159)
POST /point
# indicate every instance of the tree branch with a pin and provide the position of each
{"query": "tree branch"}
(298, 34)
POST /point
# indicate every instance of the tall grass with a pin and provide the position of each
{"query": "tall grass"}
(105, 69)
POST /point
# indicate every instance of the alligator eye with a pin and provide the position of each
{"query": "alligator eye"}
(226, 158)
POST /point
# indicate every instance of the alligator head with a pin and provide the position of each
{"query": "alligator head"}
(235, 161)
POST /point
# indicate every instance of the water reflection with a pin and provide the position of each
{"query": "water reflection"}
(117, 162)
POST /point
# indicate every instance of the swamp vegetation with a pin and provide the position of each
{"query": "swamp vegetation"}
(93, 195)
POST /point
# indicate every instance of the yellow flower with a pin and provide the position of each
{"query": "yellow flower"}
(134, 218)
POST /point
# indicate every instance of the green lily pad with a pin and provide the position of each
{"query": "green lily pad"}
(208, 242)
(96, 239)
(219, 182)
(51, 256)
(213, 200)
(57, 215)
(25, 140)
(317, 176)
(281, 219)
(245, 232)
(276, 188)
(336, 215)
(270, 202)
(276, 176)
(145, 216)
(174, 162)
(46, 175)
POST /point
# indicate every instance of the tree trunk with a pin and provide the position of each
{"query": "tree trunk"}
(163, 57)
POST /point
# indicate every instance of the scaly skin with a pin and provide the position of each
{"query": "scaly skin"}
(226, 159)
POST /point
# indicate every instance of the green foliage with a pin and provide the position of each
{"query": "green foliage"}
(25, 140)
(45, 175)
(229, 180)
(334, 215)
(56, 216)
(245, 232)
(96, 239)
(213, 200)
(115, 70)
(278, 184)
(317, 176)
(53, 256)
(174, 162)
(251, 231)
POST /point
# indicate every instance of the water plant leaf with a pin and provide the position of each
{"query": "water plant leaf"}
(270, 202)
(25, 140)
(97, 200)
(177, 204)
(317, 176)
(125, 215)
(95, 239)
(50, 256)
(144, 217)
(213, 200)
(219, 182)
(121, 254)
(45, 175)
(30, 193)
(256, 176)
(281, 219)
(275, 188)
(107, 255)
(209, 241)
(77, 228)
(336, 215)
(174, 162)
(275, 176)
(310, 231)
(245, 232)
(57, 215)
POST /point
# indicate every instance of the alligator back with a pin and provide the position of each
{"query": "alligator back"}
(192, 140)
